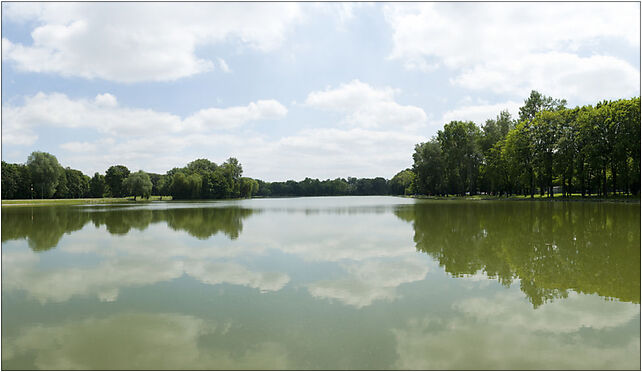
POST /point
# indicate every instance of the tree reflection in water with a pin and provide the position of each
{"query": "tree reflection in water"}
(551, 247)
(43, 227)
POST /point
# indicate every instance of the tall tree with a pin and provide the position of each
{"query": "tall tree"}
(97, 186)
(138, 184)
(45, 173)
(114, 178)
(429, 167)
(459, 143)
(538, 102)
(402, 182)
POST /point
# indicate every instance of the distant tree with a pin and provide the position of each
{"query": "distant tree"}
(538, 102)
(186, 186)
(97, 186)
(138, 184)
(249, 187)
(10, 180)
(201, 166)
(77, 183)
(429, 168)
(517, 155)
(45, 173)
(114, 179)
(401, 183)
(459, 143)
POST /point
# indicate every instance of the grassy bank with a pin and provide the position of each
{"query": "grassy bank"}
(537, 197)
(22, 202)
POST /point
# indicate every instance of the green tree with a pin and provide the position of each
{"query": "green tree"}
(45, 173)
(459, 143)
(517, 155)
(77, 183)
(429, 168)
(538, 102)
(114, 179)
(249, 187)
(10, 180)
(97, 186)
(138, 184)
(401, 183)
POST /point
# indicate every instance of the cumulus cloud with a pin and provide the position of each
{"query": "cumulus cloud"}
(515, 47)
(144, 340)
(370, 281)
(133, 42)
(231, 117)
(493, 333)
(105, 115)
(373, 135)
(114, 273)
(366, 106)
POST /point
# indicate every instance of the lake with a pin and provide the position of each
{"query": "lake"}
(322, 283)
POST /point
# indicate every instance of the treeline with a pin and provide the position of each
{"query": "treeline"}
(43, 177)
(585, 150)
(335, 187)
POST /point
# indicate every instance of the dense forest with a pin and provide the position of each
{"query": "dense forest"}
(588, 150)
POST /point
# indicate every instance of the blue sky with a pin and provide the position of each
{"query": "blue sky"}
(292, 89)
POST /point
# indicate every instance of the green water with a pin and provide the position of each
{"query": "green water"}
(322, 283)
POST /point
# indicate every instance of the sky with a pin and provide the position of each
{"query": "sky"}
(292, 90)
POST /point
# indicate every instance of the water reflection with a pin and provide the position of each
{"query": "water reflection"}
(43, 227)
(550, 247)
(370, 281)
(145, 341)
(502, 332)
(309, 285)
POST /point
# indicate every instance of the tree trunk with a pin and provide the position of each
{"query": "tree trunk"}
(614, 171)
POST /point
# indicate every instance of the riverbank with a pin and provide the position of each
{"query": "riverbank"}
(556, 198)
(32, 202)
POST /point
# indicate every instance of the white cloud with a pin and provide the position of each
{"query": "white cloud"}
(132, 42)
(104, 115)
(231, 117)
(493, 333)
(154, 341)
(223, 65)
(480, 113)
(375, 135)
(515, 47)
(561, 316)
(215, 273)
(564, 75)
(367, 107)
(371, 281)
(106, 99)
(114, 273)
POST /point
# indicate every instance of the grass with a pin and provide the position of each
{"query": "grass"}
(555, 197)
(19, 202)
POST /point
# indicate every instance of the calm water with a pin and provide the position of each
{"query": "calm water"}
(322, 283)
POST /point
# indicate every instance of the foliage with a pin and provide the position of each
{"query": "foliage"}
(46, 173)
(138, 184)
(97, 186)
(587, 150)
(114, 178)
(403, 183)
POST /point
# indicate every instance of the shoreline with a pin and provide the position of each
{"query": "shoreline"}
(50, 202)
(623, 199)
